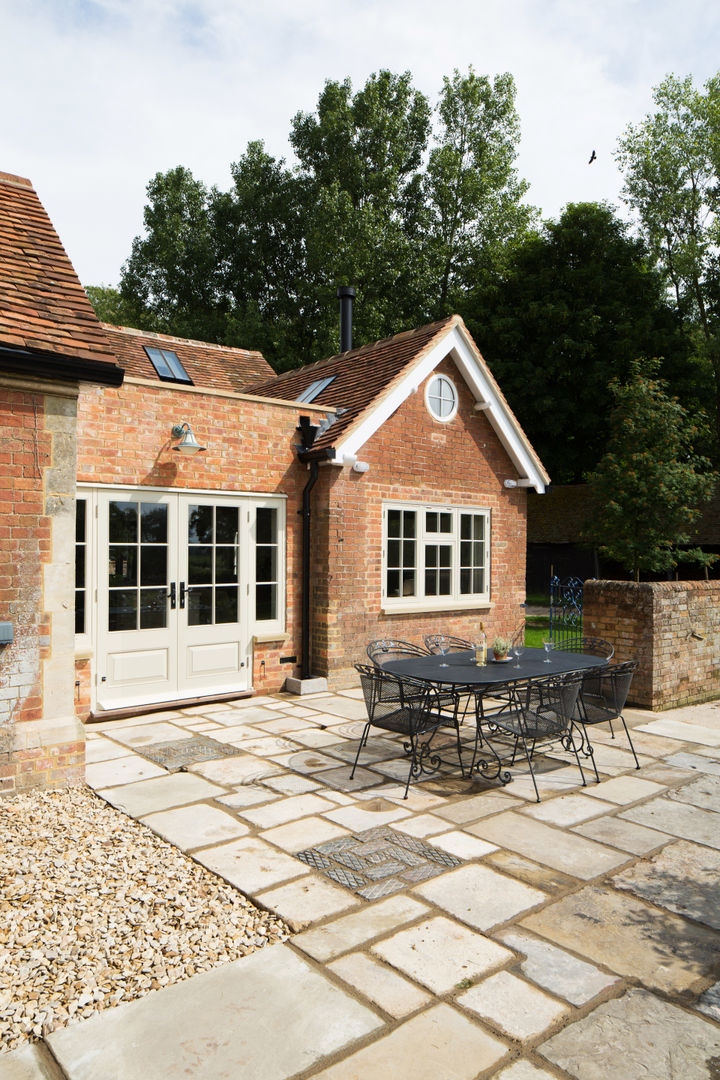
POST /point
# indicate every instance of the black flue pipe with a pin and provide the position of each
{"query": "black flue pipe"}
(346, 295)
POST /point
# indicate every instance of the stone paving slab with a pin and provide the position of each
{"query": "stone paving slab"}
(567, 852)
(616, 832)
(683, 732)
(297, 835)
(678, 819)
(556, 970)
(624, 789)
(683, 878)
(282, 811)
(124, 770)
(709, 1002)
(243, 769)
(148, 733)
(189, 827)
(703, 793)
(541, 877)
(306, 901)
(440, 953)
(352, 931)
(567, 809)
(462, 844)
(238, 1020)
(637, 1035)
(161, 793)
(439, 1043)
(30, 1062)
(524, 1070)
(697, 762)
(250, 864)
(513, 1005)
(479, 896)
(380, 985)
(628, 936)
(98, 749)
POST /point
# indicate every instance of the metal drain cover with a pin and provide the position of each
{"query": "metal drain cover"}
(378, 862)
(180, 753)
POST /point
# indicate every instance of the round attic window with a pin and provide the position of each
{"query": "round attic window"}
(441, 398)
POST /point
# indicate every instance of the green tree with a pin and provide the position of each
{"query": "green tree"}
(171, 275)
(648, 485)
(671, 163)
(258, 265)
(475, 209)
(571, 310)
(110, 307)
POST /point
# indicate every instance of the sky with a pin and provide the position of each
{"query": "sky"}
(100, 95)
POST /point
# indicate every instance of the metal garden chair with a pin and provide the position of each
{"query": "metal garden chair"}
(602, 698)
(388, 649)
(435, 642)
(541, 714)
(591, 646)
(405, 706)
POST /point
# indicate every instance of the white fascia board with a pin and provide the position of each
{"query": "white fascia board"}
(454, 344)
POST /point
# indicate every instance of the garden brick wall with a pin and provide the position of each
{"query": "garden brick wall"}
(41, 743)
(671, 627)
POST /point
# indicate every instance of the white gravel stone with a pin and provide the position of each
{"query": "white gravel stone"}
(96, 909)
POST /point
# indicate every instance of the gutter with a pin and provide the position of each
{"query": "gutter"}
(48, 365)
(308, 433)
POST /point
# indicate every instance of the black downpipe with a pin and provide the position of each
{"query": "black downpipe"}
(305, 658)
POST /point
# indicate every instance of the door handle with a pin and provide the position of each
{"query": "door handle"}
(182, 594)
(172, 596)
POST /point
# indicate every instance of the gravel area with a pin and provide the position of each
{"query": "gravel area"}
(95, 909)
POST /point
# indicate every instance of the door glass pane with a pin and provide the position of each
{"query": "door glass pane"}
(153, 523)
(123, 522)
(80, 567)
(200, 524)
(393, 523)
(226, 564)
(393, 583)
(226, 524)
(226, 604)
(200, 606)
(266, 564)
(123, 566)
(122, 609)
(265, 528)
(153, 565)
(153, 608)
(200, 565)
(265, 601)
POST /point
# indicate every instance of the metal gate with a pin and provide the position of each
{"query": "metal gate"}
(566, 608)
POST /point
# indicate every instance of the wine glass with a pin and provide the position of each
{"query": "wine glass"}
(443, 647)
(548, 646)
(518, 649)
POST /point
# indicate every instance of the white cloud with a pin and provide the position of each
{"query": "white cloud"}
(105, 93)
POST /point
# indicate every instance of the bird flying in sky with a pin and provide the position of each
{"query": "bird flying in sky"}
(592, 158)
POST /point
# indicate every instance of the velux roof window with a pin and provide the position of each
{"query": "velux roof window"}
(167, 365)
(314, 389)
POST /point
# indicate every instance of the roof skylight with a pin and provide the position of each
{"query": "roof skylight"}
(314, 389)
(167, 365)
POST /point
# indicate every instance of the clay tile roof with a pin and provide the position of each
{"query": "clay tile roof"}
(43, 306)
(217, 366)
(361, 376)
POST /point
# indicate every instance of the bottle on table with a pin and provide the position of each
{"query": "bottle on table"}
(481, 648)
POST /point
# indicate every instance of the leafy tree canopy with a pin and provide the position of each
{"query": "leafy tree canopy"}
(376, 199)
(671, 163)
(649, 483)
(571, 310)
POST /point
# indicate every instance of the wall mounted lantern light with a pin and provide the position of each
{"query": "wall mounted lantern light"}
(188, 443)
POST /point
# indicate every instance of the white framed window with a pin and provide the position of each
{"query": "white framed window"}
(441, 398)
(268, 571)
(435, 557)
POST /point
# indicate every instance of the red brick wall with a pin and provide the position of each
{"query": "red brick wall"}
(24, 551)
(412, 457)
(671, 627)
(124, 438)
(251, 449)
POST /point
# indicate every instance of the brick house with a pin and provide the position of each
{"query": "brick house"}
(51, 346)
(381, 492)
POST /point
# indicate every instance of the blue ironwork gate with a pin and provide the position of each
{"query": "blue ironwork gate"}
(566, 608)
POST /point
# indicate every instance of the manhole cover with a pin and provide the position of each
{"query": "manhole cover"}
(180, 753)
(378, 862)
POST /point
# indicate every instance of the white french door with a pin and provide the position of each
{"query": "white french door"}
(173, 585)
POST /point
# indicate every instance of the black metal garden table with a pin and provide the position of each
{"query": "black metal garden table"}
(458, 673)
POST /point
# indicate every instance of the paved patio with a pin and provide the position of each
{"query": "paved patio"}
(463, 933)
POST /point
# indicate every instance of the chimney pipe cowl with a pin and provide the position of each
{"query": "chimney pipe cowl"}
(346, 295)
